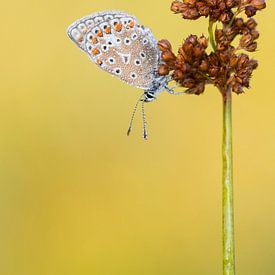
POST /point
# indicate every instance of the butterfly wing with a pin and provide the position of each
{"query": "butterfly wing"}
(77, 30)
(118, 44)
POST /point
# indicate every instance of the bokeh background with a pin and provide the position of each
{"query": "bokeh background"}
(77, 196)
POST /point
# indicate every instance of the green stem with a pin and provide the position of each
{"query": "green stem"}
(211, 35)
(227, 181)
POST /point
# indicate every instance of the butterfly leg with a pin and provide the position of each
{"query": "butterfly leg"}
(172, 92)
(141, 99)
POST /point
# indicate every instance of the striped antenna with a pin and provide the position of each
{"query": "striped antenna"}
(145, 133)
(133, 116)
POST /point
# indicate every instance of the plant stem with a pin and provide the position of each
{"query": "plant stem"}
(211, 35)
(227, 181)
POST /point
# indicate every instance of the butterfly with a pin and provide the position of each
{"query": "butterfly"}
(117, 43)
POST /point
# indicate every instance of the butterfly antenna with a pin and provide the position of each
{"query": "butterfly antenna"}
(133, 116)
(145, 133)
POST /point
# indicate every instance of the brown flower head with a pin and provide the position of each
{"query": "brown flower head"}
(193, 67)
(216, 10)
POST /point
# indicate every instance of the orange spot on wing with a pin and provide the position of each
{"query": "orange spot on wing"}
(99, 62)
(132, 24)
(95, 51)
(118, 27)
(108, 30)
(80, 39)
(100, 34)
(94, 40)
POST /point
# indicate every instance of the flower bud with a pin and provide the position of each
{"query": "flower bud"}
(237, 88)
(189, 83)
(177, 6)
(252, 47)
(233, 61)
(164, 45)
(255, 34)
(163, 69)
(198, 51)
(204, 66)
(190, 13)
(250, 11)
(203, 10)
(258, 4)
(178, 75)
(192, 39)
(246, 40)
(190, 3)
(203, 41)
(243, 59)
(253, 64)
(213, 71)
(218, 34)
(198, 89)
(187, 47)
(226, 17)
(230, 3)
(211, 3)
(186, 67)
(251, 23)
(239, 22)
(168, 56)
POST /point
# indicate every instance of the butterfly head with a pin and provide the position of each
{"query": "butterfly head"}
(159, 85)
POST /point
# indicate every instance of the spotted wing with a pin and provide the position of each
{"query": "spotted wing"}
(78, 30)
(118, 44)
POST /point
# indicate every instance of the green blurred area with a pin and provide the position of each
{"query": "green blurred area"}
(77, 196)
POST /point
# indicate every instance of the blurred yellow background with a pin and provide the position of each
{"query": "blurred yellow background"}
(77, 196)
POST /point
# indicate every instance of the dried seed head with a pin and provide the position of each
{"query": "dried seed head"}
(163, 69)
(168, 56)
(252, 47)
(239, 23)
(246, 40)
(250, 11)
(177, 6)
(193, 67)
(164, 45)
(258, 4)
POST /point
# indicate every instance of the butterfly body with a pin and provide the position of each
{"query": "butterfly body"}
(118, 44)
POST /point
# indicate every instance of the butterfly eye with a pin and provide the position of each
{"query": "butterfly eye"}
(133, 75)
(134, 36)
(127, 41)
